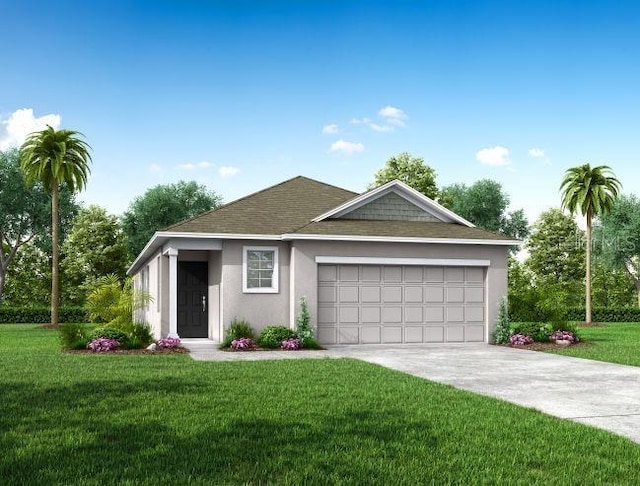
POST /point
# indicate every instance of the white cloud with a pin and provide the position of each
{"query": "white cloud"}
(536, 153)
(228, 171)
(381, 128)
(22, 122)
(360, 121)
(346, 147)
(156, 169)
(330, 129)
(200, 165)
(393, 115)
(497, 155)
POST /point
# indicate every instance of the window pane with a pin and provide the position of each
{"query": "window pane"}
(253, 283)
(260, 267)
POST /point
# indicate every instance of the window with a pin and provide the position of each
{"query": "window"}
(260, 269)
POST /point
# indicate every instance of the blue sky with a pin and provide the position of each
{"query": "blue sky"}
(237, 94)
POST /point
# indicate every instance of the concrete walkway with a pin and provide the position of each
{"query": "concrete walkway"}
(601, 394)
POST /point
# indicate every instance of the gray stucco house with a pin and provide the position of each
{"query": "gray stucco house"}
(386, 266)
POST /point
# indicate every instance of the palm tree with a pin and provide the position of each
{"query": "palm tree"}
(592, 191)
(55, 158)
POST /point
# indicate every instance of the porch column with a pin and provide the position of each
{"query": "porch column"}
(173, 292)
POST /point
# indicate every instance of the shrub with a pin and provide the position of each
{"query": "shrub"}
(168, 343)
(109, 333)
(236, 330)
(564, 336)
(73, 336)
(291, 344)
(311, 344)
(536, 330)
(520, 340)
(502, 332)
(243, 344)
(272, 336)
(102, 345)
(114, 301)
(40, 315)
(141, 333)
(304, 331)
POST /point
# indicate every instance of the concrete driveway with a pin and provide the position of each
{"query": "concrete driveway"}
(601, 394)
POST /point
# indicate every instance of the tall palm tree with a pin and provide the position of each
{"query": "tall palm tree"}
(592, 191)
(55, 158)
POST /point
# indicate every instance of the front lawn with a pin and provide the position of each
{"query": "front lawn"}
(103, 419)
(617, 342)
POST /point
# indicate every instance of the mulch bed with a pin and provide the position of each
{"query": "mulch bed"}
(544, 346)
(231, 350)
(128, 351)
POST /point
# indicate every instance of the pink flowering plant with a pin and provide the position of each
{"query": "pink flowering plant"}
(103, 345)
(243, 344)
(520, 340)
(564, 336)
(291, 344)
(168, 343)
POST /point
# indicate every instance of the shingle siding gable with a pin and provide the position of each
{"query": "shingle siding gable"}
(391, 207)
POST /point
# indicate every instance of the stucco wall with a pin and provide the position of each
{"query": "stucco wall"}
(152, 312)
(259, 309)
(305, 268)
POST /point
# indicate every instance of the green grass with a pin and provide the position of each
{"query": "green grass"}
(616, 342)
(166, 419)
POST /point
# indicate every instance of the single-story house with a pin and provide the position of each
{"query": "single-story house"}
(386, 266)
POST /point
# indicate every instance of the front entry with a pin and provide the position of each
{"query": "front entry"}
(193, 295)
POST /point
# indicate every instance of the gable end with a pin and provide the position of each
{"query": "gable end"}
(391, 207)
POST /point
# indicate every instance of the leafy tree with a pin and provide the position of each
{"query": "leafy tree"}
(411, 170)
(95, 247)
(25, 217)
(555, 248)
(28, 278)
(162, 206)
(611, 287)
(55, 158)
(592, 192)
(618, 238)
(485, 204)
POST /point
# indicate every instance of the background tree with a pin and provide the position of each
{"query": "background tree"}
(25, 216)
(411, 170)
(28, 281)
(485, 204)
(95, 247)
(618, 238)
(162, 206)
(55, 158)
(591, 191)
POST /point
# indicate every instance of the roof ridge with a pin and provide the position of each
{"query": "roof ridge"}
(223, 206)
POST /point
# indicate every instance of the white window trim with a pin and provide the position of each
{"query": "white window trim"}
(274, 289)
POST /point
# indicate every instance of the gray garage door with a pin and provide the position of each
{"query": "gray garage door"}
(375, 304)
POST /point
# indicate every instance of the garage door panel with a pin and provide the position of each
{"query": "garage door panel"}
(434, 294)
(327, 295)
(413, 314)
(391, 314)
(474, 334)
(370, 335)
(349, 315)
(348, 335)
(348, 294)
(370, 294)
(370, 315)
(454, 334)
(413, 334)
(371, 304)
(433, 334)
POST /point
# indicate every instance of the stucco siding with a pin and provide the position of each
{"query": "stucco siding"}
(306, 268)
(391, 207)
(259, 309)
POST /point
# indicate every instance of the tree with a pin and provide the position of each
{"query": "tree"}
(591, 191)
(485, 204)
(28, 281)
(162, 206)
(95, 247)
(555, 248)
(25, 216)
(618, 236)
(410, 170)
(55, 158)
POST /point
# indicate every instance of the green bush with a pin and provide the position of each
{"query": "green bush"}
(239, 328)
(74, 336)
(311, 343)
(576, 314)
(272, 336)
(502, 332)
(304, 331)
(40, 315)
(141, 333)
(110, 333)
(538, 331)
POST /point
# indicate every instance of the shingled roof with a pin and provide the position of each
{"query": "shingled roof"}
(277, 210)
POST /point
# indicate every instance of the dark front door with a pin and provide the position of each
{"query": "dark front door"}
(193, 305)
